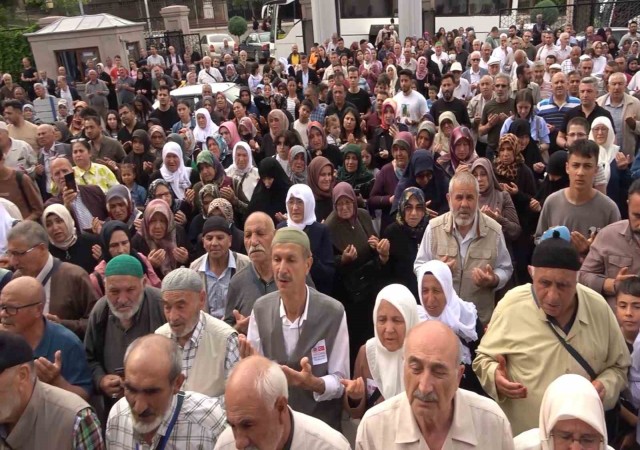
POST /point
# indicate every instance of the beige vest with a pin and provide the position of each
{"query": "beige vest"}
(47, 422)
(482, 251)
(207, 372)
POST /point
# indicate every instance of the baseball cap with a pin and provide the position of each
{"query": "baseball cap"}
(14, 350)
(456, 67)
(493, 60)
(555, 66)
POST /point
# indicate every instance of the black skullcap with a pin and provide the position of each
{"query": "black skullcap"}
(216, 223)
(14, 350)
(556, 253)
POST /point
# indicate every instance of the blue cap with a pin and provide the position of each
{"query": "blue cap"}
(562, 232)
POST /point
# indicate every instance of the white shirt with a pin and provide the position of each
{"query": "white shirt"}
(412, 106)
(502, 55)
(462, 90)
(562, 54)
(210, 75)
(338, 364)
(544, 51)
(599, 64)
(66, 94)
(503, 269)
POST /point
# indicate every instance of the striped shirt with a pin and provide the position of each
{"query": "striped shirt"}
(200, 422)
(553, 113)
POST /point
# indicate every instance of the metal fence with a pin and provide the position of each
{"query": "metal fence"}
(581, 14)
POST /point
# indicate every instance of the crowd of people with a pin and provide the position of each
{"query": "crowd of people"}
(437, 236)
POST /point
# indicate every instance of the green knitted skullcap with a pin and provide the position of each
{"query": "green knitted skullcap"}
(290, 235)
(124, 265)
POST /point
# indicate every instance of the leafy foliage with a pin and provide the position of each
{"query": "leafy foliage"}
(237, 26)
(14, 47)
(548, 9)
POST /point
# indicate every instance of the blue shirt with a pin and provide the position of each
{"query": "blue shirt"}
(554, 114)
(75, 368)
(138, 194)
(217, 287)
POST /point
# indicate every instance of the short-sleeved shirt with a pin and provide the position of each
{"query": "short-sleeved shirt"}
(598, 111)
(75, 369)
(553, 113)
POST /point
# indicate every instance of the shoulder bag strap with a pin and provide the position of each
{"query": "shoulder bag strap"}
(573, 352)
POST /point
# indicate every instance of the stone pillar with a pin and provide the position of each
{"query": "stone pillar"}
(429, 16)
(307, 25)
(324, 18)
(410, 18)
(176, 18)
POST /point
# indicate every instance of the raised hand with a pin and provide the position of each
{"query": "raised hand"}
(354, 388)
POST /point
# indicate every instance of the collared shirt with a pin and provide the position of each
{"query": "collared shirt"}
(191, 346)
(478, 422)
(98, 175)
(616, 114)
(83, 214)
(21, 157)
(318, 114)
(216, 286)
(48, 155)
(48, 266)
(200, 421)
(65, 94)
(338, 365)
(568, 66)
(553, 113)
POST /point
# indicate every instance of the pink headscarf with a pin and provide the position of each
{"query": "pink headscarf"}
(233, 130)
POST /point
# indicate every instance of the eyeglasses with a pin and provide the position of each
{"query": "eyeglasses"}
(16, 254)
(13, 310)
(564, 439)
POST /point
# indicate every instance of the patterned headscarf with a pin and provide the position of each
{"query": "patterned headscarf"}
(224, 206)
(208, 189)
(168, 242)
(509, 171)
(408, 194)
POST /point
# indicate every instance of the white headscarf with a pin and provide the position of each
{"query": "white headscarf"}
(459, 315)
(234, 169)
(304, 193)
(201, 134)
(568, 397)
(386, 367)
(62, 212)
(179, 180)
(607, 151)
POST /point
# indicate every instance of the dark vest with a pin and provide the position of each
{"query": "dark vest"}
(324, 315)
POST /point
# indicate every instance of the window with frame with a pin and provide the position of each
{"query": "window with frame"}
(75, 61)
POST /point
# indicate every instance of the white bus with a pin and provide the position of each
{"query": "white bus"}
(362, 19)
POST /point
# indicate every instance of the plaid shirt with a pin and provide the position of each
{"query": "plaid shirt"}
(200, 422)
(190, 348)
(87, 434)
(98, 174)
(317, 115)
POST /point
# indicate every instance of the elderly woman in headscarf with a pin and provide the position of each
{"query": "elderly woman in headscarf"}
(161, 240)
(64, 241)
(222, 106)
(219, 148)
(115, 240)
(426, 135)
(439, 301)
(354, 172)
(229, 133)
(382, 193)
(231, 74)
(359, 256)
(157, 138)
(175, 173)
(277, 121)
(378, 370)
(301, 215)
(161, 190)
(321, 180)
(270, 194)
(245, 178)
(248, 131)
(141, 157)
(297, 166)
(530, 150)
(494, 201)
(383, 136)
(30, 115)
(571, 411)
(613, 165)
(204, 127)
(404, 236)
(318, 145)
(441, 146)
(461, 152)
(211, 172)
(221, 207)
(121, 207)
(422, 172)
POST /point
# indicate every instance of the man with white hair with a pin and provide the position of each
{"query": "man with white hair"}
(96, 92)
(463, 231)
(6, 91)
(209, 346)
(257, 393)
(625, 110)
(564, 49)
(209, 74)
(502, 52)
(474, 73)
(45, 105)
(129, 310)
(156, 412)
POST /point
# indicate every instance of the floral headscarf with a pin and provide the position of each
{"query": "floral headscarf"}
(509, 171)
(408, 194)
(224, 206)
(208, 189)
(206, 157)
(168, 242)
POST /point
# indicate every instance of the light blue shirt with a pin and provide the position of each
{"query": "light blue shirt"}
(217, 287)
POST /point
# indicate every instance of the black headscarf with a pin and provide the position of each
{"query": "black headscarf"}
(138, 159)
(629, 59)
(437, 188)
(531, 153)
(270, 200)
(110, 227)
(555, 166)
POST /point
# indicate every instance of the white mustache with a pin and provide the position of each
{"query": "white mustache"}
(431, 397)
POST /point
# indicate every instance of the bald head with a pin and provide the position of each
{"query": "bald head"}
(262, 218)
(437, 338)
(45, 135)
(24, 290)
(154, 354)
(257, 377)
(258, 235)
